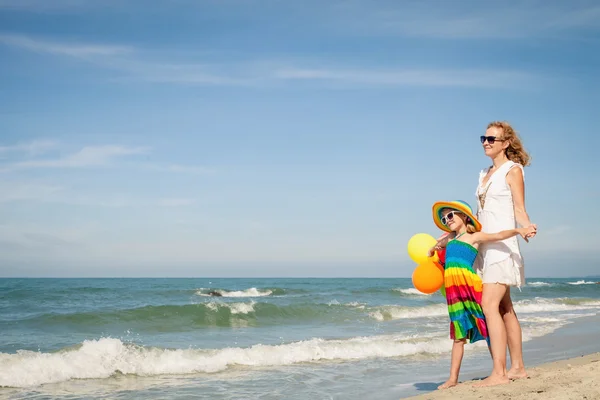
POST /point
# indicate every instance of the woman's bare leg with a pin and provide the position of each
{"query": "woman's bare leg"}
(493, 294)
(514, 336)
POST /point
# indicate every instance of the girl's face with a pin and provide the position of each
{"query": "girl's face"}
(452, 219)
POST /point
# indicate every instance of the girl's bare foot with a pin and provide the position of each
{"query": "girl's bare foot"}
(448, 384)
(493, 380)
(516, 373)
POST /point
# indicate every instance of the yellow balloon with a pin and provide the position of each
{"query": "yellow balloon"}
(418, 247)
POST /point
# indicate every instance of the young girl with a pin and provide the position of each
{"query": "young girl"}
(463, 286)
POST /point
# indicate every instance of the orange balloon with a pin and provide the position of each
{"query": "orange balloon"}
(428, 278)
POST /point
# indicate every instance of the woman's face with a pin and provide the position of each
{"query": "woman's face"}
(493, 134)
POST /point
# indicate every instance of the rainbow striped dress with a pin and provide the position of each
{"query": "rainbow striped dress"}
(463, 293)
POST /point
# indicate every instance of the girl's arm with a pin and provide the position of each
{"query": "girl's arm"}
(481, 237)
(443, 240)
(514, 178)
(441, 243)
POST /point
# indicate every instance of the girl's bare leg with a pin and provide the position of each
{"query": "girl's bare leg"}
(458, 349)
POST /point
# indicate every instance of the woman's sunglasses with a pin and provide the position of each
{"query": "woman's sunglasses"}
(490, 139)
(449, 217)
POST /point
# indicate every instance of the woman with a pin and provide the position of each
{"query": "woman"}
(501, 201)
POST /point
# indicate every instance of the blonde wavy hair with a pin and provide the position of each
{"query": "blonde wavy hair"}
(515, 151)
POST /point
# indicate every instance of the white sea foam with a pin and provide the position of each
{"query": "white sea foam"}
(538, 284)
(552, 305)
(542, 329)
(411, 291)
(104, 357)
(98, 359)
(533, 319)
(251, 292)
(234, 308)
(385, 313)
(356, 304)
(583, 282)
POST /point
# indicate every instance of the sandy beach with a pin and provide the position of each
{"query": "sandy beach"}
(574, 378)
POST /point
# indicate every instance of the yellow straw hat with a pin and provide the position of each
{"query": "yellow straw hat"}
(457, 205)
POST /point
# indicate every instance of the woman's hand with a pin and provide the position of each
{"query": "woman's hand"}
(527, 232)
(534, 231)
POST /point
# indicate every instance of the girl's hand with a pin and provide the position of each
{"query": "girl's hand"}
(431, 251)
(528, 232)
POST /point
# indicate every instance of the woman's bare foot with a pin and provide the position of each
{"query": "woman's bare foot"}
(493, 380)
(448, 384)
(516, 373)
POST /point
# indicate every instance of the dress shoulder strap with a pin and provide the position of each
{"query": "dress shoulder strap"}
(514, 164)
(506, 167)
(500, 174)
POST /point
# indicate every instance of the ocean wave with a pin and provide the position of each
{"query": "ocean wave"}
(393, 312)
(253, 312)
(556, 304)
(387, 313)
(410, 292)
(539, 284)
(582, 282)
(167, 318)
(251, 292)
(106, 357)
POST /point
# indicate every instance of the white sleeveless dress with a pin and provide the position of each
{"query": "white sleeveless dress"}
(498, 262)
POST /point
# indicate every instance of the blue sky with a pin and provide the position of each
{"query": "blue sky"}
(275, 138)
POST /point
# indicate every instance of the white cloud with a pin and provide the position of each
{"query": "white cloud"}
(32, 148)
(39, 192)
(410, 77)
(130, 68)
(120, 59)
(65, 6)
(464, 20)
(178, 168)
(87, 157)
(15, 191)
(65, 49)
(19, 230)
(190, 74)
(175, 202)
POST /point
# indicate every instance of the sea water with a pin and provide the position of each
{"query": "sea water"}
(246, 338)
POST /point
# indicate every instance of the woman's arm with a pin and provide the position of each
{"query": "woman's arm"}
(514, 178)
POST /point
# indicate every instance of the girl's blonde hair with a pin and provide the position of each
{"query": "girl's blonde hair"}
(515, 151)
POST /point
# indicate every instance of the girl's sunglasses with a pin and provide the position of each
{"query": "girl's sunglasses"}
(490, 139)
(449, 217)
